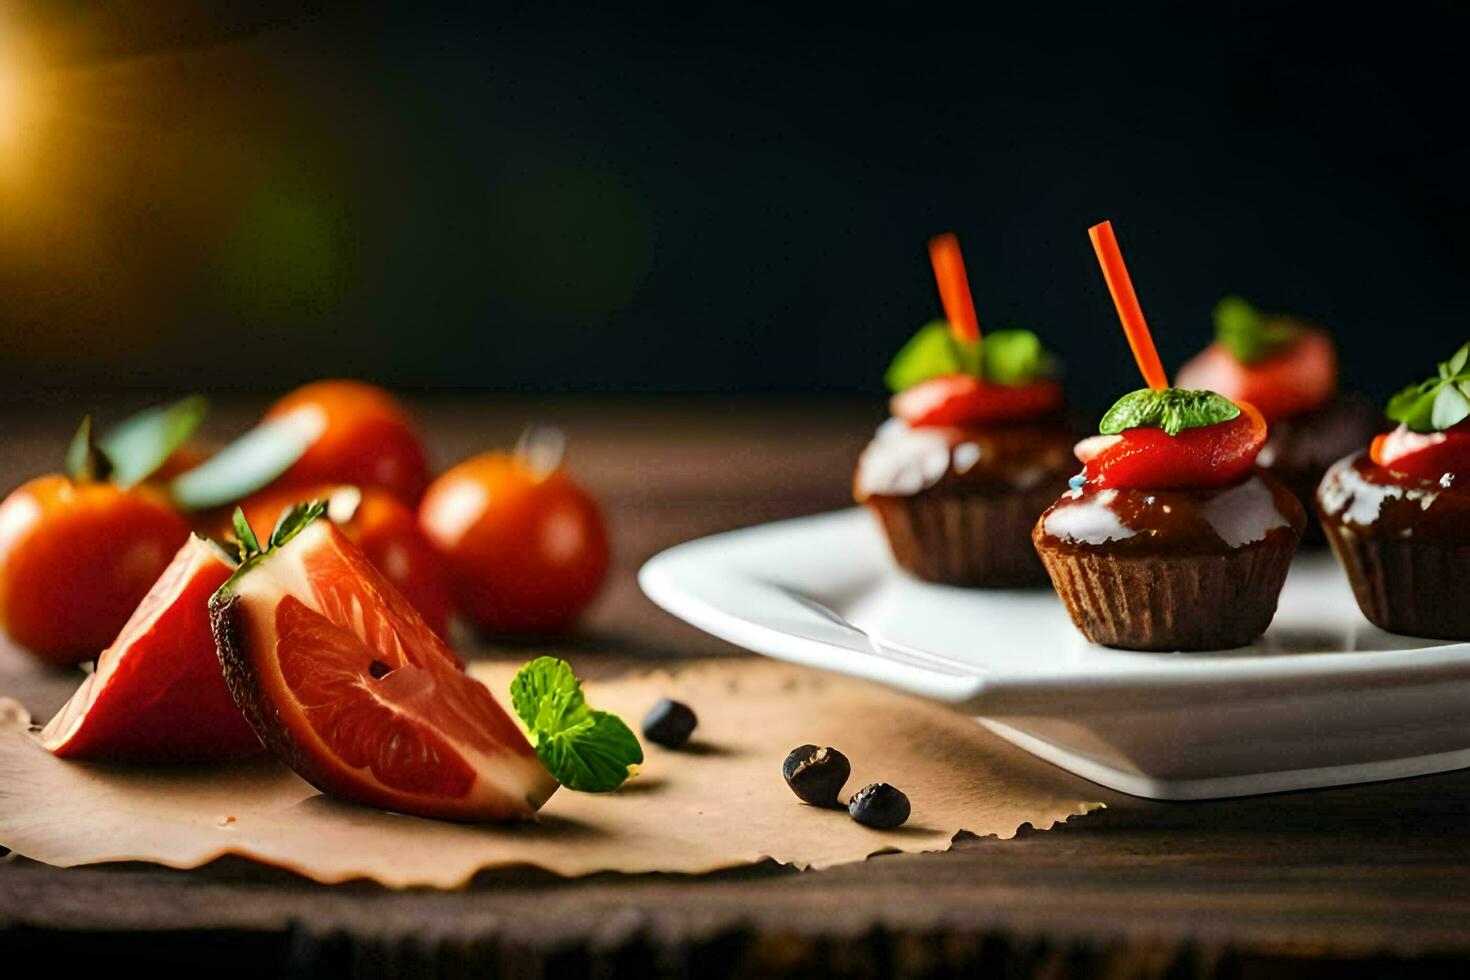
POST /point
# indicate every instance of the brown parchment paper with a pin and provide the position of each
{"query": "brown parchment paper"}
(717, 803)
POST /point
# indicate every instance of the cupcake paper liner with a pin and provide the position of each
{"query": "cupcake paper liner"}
(974, 539)
(1400, 583)
(1186, 602)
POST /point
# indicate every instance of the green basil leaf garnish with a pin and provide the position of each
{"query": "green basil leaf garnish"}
(1250, 335)
(1172, 409)
(1007, 357)
(1439, 402)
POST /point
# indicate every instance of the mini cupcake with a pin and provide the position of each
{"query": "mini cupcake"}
(1171, 538)
(1286, 368)
(976, 449)
(1398, 515)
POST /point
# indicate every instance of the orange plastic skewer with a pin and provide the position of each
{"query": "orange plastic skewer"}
(954, 287)
(1135, 328)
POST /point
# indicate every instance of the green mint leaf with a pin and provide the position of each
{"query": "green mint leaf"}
(140, 444)
(84, 463)
(1248, 334)
(1439, 402)
(930, 353)
(545, 693)
(245, 535)
(1173, 410)
(1450, 408)
(1007, 357)
(249, 463)
(1414, 406)
(585, 750)
(1456, 364)
(593, 755)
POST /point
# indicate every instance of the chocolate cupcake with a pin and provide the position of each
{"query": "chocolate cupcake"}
(1398, 515)
(977, 448)
(1286, 368)
(957, 502)
(1172, 540)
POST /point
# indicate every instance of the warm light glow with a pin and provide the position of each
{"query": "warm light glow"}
(16, 106)
(9, 106)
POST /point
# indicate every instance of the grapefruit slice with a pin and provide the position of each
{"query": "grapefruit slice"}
(347, 685)
(158, 692)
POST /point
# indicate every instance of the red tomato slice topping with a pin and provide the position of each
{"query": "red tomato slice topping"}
(1425, 455)
(1298, 379)
(1151, 459)
(1094, 446)
(961, 399)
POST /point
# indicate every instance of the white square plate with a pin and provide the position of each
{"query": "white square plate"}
(1324, 698)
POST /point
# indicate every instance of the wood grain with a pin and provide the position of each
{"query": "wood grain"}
(1362, 880)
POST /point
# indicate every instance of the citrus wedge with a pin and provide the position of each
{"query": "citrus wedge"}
(343, 680)
(158, 692)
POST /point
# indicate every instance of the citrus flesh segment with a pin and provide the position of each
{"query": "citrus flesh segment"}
(345, 682)
(158, 692)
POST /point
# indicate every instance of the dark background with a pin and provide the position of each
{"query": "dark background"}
(209, 194)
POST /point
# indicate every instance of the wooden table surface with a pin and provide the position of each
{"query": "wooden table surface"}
(1364, 880)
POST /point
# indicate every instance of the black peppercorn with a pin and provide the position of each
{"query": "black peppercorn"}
(880, 806)
(816, 775)
(669, 723)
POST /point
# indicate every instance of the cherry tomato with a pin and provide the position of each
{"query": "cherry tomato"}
(384, 527)
(1295, 380)
(962, 399)
(366, 440)
(527, 549)
(76, 559)
(1424, 455)
(1151, 459)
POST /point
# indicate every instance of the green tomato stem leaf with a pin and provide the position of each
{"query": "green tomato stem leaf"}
(248, 463)
(247, 542)
(1172, 409)
(245, 535)
(84, 463)
(142, 443)
(1436, 403)
(294, 520)
(584, 749)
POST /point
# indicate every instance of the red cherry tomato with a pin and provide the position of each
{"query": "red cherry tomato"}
(527, 550)
(1295, 380)
(387, 531)
(367, 440)
(76, 559)
(1151, 459)
(1424, 455)
(962, 399)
